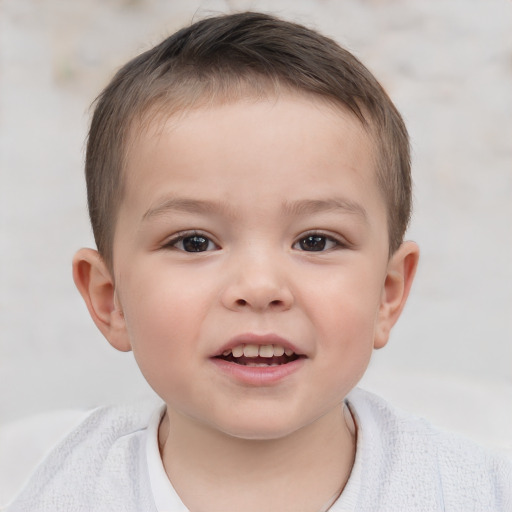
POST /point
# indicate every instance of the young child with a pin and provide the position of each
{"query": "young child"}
(249, 189)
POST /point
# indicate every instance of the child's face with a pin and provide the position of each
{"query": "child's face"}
(253, 223)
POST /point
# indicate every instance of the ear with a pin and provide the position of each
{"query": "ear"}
(96, 285)
(399, 277)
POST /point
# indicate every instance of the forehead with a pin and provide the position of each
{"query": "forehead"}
(163, 115)
(230, 148)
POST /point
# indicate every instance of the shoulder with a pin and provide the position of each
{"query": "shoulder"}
(410, 457)
(94, 467)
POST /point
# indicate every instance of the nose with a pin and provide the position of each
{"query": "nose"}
(257, 282)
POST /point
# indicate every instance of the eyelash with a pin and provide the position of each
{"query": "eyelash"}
(337, 243)
(179, 237)
(313, 236)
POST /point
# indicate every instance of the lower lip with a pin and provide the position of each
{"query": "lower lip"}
(258, 375)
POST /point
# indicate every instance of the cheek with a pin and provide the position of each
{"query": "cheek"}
(345, 310)
(349, 293)
(163, 312)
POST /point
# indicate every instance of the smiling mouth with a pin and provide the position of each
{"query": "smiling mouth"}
(259, 355)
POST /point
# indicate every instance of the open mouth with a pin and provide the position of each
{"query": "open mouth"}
(259, 355)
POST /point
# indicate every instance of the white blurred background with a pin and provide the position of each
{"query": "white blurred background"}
(447, 64)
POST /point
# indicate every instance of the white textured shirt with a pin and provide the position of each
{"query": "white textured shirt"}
(111, 463)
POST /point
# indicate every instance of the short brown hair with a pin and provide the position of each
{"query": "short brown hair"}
(225, 58)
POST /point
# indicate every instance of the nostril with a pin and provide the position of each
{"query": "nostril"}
(259, 300)
(276, 303)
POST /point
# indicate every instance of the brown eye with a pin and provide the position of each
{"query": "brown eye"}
(313, 243)
(316, 242)
(196, 243)
(191, 241)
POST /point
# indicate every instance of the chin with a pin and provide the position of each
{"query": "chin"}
(259, 429)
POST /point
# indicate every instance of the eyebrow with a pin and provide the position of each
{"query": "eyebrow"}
(310, 206)
(187, 205)
(300, 207)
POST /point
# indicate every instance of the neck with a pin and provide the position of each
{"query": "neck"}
(305, 470)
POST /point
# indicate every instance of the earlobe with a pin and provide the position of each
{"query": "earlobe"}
(400, 275)
(96, 285)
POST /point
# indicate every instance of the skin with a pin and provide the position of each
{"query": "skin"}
(254, 179)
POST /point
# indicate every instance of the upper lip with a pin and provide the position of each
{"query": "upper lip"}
(257, 339)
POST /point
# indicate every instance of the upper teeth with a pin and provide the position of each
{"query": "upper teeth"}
(258, 350)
